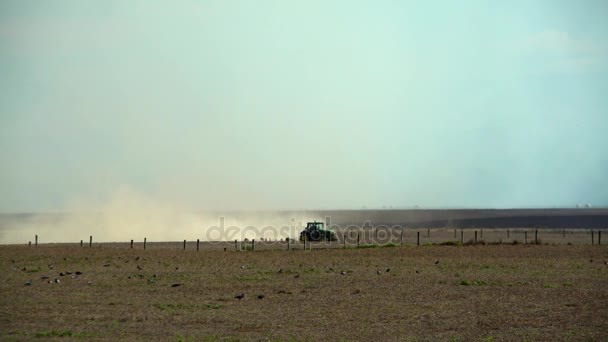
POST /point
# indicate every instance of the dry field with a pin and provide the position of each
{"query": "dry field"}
(462, 293)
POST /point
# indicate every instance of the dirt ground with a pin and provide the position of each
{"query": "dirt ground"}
(462, 293)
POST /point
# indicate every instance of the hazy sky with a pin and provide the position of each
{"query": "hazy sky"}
(304, 104)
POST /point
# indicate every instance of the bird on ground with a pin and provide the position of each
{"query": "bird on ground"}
(388, 270)
(260, 296)
(343, 273)
(378, 272)
(28, 283)
(139, 267)
(239, 297)
(436, 262)
(281, 270)
(296, 276)
(174, 285)
(57, 280)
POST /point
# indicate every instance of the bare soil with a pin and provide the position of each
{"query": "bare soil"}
(478, 292)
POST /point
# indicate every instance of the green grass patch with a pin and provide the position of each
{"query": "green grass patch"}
(450, 243)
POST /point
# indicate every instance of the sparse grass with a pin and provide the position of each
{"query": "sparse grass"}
(54, 333)
(450, 243)
(65, 333)
(173, 308)
(368, 246)
(491, 292)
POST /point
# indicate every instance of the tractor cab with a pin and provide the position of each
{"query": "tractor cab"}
(315, 231)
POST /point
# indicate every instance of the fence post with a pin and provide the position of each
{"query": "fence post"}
(81, 243)
(252, 244)
(461, 236)
(287, 243)
(475, 236)
(184, 244)
(357, 239)
(592, 238)
(599, 237)
(144, 243)
(36, 240)
(508, 234)
(454, 233)
(526, 237)
(198, 242)
(91, 241)
(131, 244)
(30, 244)
(401, 239)
(236, 245)
(417, 238)
(344, 240)
(536, 237)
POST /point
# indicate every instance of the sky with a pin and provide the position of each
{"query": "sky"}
(303, 104)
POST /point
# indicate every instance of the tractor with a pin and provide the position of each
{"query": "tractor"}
(314, 231)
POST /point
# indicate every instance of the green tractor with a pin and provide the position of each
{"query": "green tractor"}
(314, 231)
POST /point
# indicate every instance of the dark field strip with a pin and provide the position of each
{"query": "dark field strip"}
(473, 218)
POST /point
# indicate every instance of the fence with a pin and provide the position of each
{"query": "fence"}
(363, 238)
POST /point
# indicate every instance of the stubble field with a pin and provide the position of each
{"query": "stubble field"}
(491, 292)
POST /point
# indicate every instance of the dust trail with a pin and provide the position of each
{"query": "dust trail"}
(131, 215)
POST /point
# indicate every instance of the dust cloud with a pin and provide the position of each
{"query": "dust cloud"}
(132, 215)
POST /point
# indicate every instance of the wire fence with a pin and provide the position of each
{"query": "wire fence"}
(366, 238)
